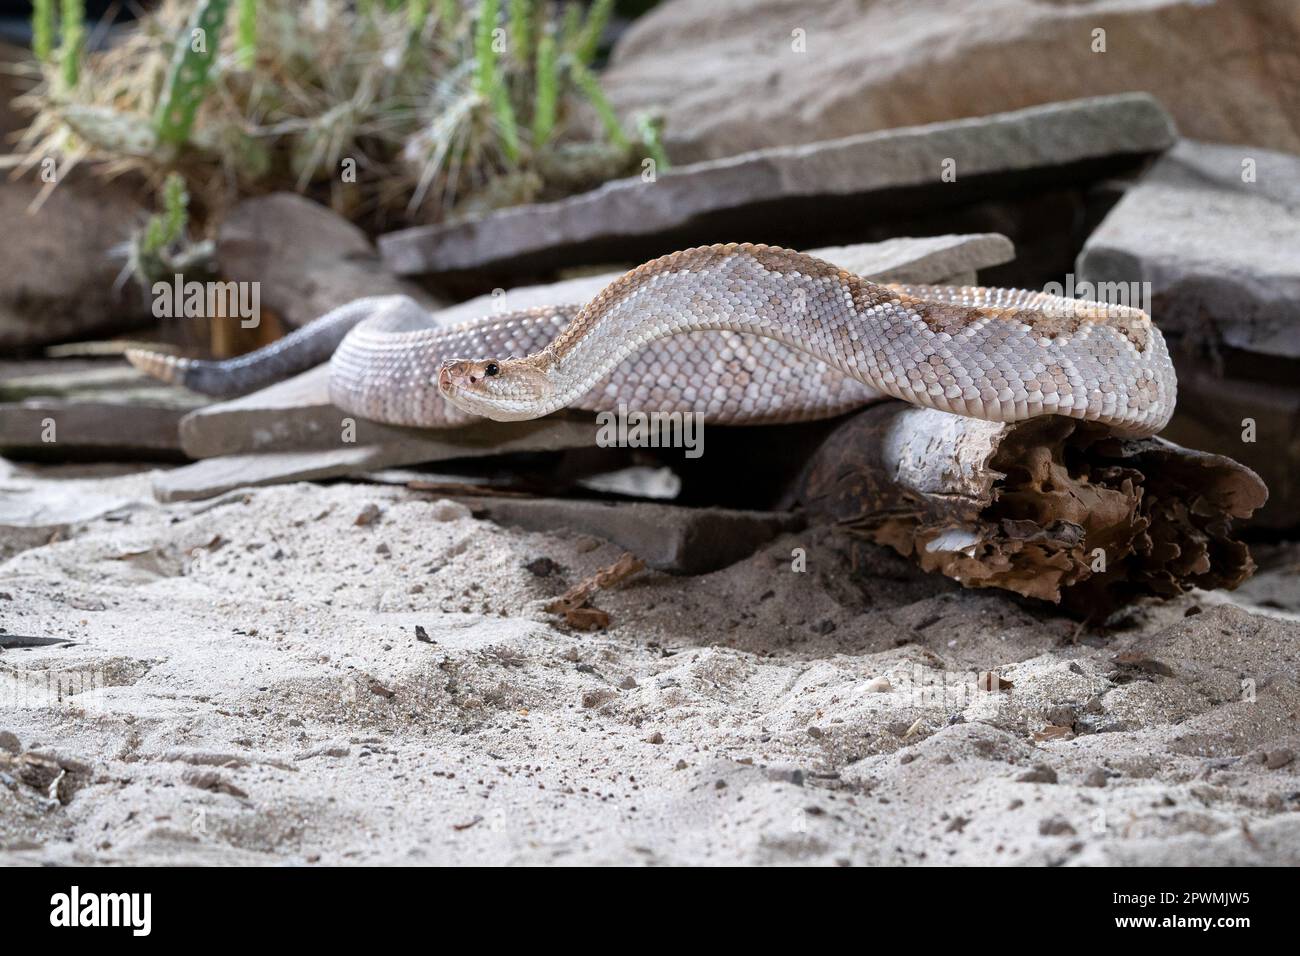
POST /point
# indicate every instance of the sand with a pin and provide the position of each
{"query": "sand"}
(261, 679)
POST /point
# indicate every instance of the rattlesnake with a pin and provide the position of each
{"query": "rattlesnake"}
(743, 333)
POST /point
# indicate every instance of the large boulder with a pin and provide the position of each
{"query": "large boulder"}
(306, 258)
(60, 275)
(730, 80)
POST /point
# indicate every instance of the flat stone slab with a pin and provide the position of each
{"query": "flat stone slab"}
(1222, 259)
(296, 415)
(666, 537)
(113, 412)
(1222, 255)
(763, 193)
(214, 476)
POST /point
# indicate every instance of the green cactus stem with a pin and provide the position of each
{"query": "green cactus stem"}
(586, 81)
(73, 16)
(43, 29)
(247, 33)
(490, 81)
(189, 79)
(548, 91)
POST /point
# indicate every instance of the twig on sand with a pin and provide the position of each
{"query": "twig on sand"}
(575, 604)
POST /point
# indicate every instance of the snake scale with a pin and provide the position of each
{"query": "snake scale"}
(744, 334)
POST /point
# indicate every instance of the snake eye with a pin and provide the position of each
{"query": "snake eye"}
(492, 368)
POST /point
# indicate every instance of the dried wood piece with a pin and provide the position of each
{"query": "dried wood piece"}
(574, 604)
(1048, 508)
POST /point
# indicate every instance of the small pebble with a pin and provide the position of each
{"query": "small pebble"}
(444, 510)
(543, 567)
(879, 685)
(367, 515)
(1277, 759)
(1041, 773)
(1055, 826)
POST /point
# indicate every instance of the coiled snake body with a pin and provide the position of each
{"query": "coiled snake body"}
(743, 333)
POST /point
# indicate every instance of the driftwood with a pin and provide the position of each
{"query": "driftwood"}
(1050, 508)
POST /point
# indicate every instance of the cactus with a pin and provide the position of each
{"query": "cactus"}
(188, 79)
(417, 14)
(247, 27)
(588, 40)
(161, 248)
(548, 91)
(570, 27)
(650, 129)
(111, 130)
(165, 229)
(586, 81)
(485, 57)
(73, 16)
(490, 82)
(449, 12)
(43, 29)
(521, 30)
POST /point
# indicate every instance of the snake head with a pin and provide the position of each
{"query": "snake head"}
(508, 390)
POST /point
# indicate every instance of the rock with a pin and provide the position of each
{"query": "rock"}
(1055, 826)
(792, 775)
(307, 258)
(1277, 759)
(1219, 252)
(58, 281)
(9, 742)
(878, 685)
(213, 476)
(592, 699)
(367, 515)
(113, 413)
(444, 510)
(665, 537)
(729, 78)
(1041, 773)
(1096, 777)
(1219, 255)
(543, 568)
(211, 780)
(831, 190)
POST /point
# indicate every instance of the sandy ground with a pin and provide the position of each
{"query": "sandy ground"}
(266, 699)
